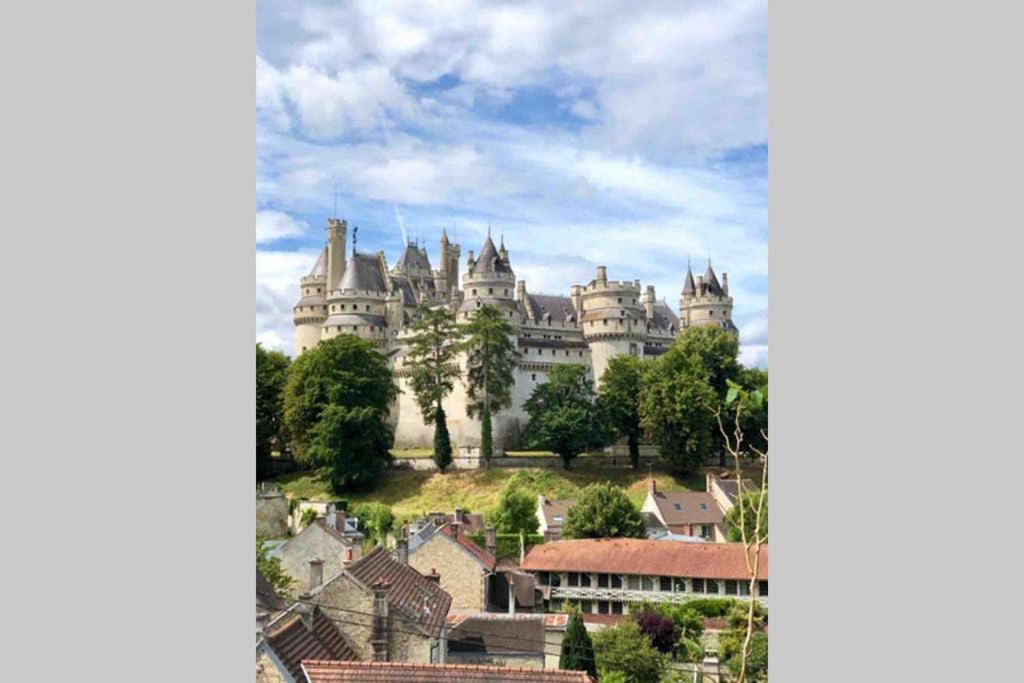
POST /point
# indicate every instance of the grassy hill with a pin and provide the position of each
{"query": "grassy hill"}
(410, 493)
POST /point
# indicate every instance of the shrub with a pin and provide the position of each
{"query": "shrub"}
(375, 520)
(308, 515)
(662, 631)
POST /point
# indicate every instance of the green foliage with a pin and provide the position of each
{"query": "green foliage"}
(271, 374)
(753, 415)
(354, 443)
(542, 481)
(431, 358)
(345, 371)
(486, 434)
(619, 402)
(676, 405)
(516, 512)
(563, 414)
(271, 569)
(577, 652)
(506, 545)
(730, 643)
(375, 520)
(714, 350)
(711, 608)
(603, 510)
(308, 515)
(491, 358)
(442, 441)
(624, 649)
(749, 502)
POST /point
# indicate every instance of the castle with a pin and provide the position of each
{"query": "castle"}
(361, 295)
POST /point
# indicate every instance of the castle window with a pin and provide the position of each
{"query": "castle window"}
(711, 312)
(581, 354)
(620, 299)
(474, 292)
(533, 377)
(490, 290)
(605, 322)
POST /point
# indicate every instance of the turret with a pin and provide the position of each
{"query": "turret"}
(649, 302)
(337, 232)
(706, 302)
(358, 304)
(490, 280)
(613, 319)
(310, 312)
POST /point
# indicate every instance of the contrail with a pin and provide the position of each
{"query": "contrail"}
(401, 224)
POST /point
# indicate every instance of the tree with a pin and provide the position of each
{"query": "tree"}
(674, 409)
(577, 653)
(754, 418)
(271, 569)
(603, 511)
(516, 512)
(563, 414)
(343, 371)
(355, 443)
(662, 631)
(432, 363)
(491, 358)
(625, 650)
(619, 402)
(375, 520)
(271, 374)
(743, 645)
(749, 502)
(715, 350)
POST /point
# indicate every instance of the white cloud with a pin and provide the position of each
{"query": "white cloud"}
(275, 225)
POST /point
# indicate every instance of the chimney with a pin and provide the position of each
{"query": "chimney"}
(491, 546)
(402, 550)
(725, 282)
(460, 516)
(602, 275)
(649, 302)
(434, 576)
(709, 479)
(379, 637)
(339, 521)
(521, 290)
(652, 486)
(316, 573)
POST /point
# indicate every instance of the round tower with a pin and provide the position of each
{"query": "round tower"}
(613, 319)
(490, 280)
(358, 305)
(311, 310)
(705, 301)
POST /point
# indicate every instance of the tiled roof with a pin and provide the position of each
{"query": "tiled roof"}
(292, 640)
(489, 261)
(603, 619)
(320, 267)
(665, 317)
(265, 593)
(417, 596)
(362, 272)
(556, 508)
(684, 507)
(407, 672)
(497, 633)
(485, 558)
(560, 307)
(642, 556)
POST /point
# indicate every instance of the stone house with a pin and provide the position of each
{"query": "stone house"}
(386, 609)
(271, 511)
(333, 539)
(726, 491)
(551, 516)
(465, 568)
(301, 632)
(686, 513)
(531, 641)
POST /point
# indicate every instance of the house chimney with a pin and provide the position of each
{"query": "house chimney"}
(652, 486)
(339, 521)
(725, 282)
(402, 550)
(316, 573)
(434, 576)
(709, 479)
(491, 540)
(602, 275)
(379, 637)
(521, 290)
(460, 516)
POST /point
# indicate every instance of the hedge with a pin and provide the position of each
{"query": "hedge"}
(507, 545)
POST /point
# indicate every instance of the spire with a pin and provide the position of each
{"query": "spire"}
(354, 231)
(688, 286)
(444, 235)
(711, 280)
(320, 268)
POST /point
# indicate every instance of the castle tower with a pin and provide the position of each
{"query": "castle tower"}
(337, 233)
(613, 320)
(311, 310)
(490, 280)
(358, 304)
(705, 301)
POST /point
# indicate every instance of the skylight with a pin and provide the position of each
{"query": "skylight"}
(677, 506)
(704, 507)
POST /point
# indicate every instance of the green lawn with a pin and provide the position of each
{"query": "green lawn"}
(410, 493)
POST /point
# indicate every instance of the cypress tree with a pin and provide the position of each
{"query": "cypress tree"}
(486, 438)
(577, 649)
(442, 441)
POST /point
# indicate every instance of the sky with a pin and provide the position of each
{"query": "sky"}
(630, 135)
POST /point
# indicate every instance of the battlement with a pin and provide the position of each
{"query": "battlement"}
(312, 279)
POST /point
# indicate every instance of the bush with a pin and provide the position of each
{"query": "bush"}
(516, 512)
(659, 629)
(506, 545)
(711, 608)
(375, 520)
(308, 515)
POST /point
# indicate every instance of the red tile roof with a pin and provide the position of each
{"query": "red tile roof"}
(690, 511)
(379, 672)
(454, 533)
(603, 619)
(422, 600)
(292, 640)
(643, 556)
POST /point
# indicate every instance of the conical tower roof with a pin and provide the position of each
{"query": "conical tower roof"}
(711, 281)
(320, 267)
(489, 261)
(688, 285)
(361, 273)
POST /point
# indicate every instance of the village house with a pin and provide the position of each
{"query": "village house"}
(333, 539)
(271, 511)
(394, 672)
(726, 491)
(604, 575)
(268, 603)
(687, 513)
(519, 640)
(468, 522)
(465, 568)
(551, 516)
(386, 609)
(301, 632)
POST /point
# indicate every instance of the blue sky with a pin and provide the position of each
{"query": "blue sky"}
(630, 135)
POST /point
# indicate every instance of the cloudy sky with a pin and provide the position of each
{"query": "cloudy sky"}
(631, 135)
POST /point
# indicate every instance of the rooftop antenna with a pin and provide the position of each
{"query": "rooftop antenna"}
(354, 231)
(335, 199)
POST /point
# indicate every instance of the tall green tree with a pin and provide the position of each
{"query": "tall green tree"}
(731, 643)
(337, 401)
(676, 403)
(713, 349)
(271, 569)
(434, 370)
(271, 375)
(625, 650)
(750, 504)
(577, 653)
(516, 512)
(491, 358)
(619, 402)
(753, 416)
(563, 414)
(603, 510)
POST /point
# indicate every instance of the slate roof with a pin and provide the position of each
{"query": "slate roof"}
(407, 672)
(711, 282)
(409, 591)
(413, 259)
(684, 507)
(484, 557)
(689, 287)
(643, 556)
(730, 487)
(489, 261)
(292, 640)
(362, 272)
(320, 267)
(560, 307)
(665, 317)
(497, 634)
(265, 593)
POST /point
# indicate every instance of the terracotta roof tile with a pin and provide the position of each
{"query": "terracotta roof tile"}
(452, 532)
(292, 640)
(643, 556)
(688, 507)
(367, 672)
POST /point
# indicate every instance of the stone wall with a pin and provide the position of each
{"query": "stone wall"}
(313, 543)
(266, 670)
(271, 512)
(462, 576)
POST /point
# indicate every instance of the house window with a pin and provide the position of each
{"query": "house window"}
(585, 578)
(602, 607)
(633, 583)
(680, 585)
(648, 583)
(704, 507)
(762, 588)
(543, 578)
(712, 586)
(698, 585)
(666, 584)
(616, 581)
(616, 608)
(730, 587)
(574, 579)
(705, 531)
(586, 606)
(744, 588)
(602, 581)
(677, 506)
(556, 605)
(556, 580)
